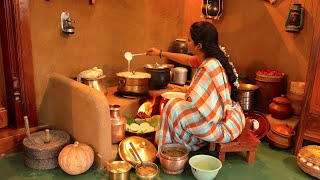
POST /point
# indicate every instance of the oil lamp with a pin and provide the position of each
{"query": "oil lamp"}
(212, 9)
(294, 22)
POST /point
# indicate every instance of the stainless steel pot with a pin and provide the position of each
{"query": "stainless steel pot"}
(96, 83)
(133, 83)
(160, 75)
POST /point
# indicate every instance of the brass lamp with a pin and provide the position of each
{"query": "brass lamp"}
(294, 22)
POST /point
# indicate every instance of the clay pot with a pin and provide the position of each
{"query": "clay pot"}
(280, 108)
(281, 136)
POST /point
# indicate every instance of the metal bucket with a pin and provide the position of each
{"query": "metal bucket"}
(246, 96)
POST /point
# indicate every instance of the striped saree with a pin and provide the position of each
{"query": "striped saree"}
(208, 114)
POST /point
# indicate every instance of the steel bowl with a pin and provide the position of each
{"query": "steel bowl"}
(170, 164)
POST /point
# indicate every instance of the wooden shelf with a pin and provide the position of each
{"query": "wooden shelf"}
(312, 135)
(11, 138)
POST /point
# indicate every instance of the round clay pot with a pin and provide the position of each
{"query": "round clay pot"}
(280, 108)
(281, 136)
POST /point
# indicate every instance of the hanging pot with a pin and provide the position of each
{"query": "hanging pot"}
(280, 108)
(281, 136)
(160, 75)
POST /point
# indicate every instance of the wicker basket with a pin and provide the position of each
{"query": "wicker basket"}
(267, 78)
(312, 155)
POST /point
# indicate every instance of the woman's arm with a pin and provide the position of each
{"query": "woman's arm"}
(177, 57)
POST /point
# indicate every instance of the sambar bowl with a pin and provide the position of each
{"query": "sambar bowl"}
(173, 158)
(204, 167)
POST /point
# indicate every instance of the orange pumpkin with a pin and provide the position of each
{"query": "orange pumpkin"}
(76, 158)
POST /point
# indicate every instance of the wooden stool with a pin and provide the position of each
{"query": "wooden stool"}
(245, 142)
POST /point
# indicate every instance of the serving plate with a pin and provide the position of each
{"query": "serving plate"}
(259, 125)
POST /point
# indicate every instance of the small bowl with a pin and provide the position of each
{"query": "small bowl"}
(120, 170)
(173, 163)
(150, 175)
(204, 167)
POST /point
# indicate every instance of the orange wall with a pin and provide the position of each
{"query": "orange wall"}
(253, 31)
(104, 32)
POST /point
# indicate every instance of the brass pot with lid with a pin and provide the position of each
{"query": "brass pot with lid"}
(145, 149)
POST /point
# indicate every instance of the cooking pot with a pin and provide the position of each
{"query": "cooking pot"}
(281, 136)
(133, 83)
(96, 83)
(280, 108)
(160, 75)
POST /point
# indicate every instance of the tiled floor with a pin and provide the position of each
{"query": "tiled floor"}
(270, 164)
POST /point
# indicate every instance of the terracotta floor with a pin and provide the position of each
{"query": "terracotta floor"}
(271, 164)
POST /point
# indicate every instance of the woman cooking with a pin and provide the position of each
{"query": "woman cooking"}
(209, 112)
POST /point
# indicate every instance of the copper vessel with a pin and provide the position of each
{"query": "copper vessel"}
(118, 124)
(281, 136)
(173, 165)
(280, 108)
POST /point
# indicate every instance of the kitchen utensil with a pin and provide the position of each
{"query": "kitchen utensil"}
(133, 83)
(281, 136)
(258, 123)
(180, 75)
(129, 55)
(173, 158)
(145, 148)
(123, 170)
(246, 92)
(280, 108)
(204, 167)
(96, 83)
(160, 75)
(110, 166)
(41, 149)
(118, 123)
(308, 160)
(136, 153)
(144, 173)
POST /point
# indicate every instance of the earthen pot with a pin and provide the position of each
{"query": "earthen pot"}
(280, 108)
(281, 136)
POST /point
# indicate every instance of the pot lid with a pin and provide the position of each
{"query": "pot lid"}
(281, 100)
(145, 149)
(282, 129)
(134, 75)
(156, 66)
(248, 87)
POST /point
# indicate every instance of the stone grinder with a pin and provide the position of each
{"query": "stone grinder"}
(42, 148)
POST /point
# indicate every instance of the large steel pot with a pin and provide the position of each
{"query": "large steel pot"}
(133, 83)
(160, 75)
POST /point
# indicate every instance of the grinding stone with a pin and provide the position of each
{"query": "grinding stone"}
(35, 148)
(41, 164)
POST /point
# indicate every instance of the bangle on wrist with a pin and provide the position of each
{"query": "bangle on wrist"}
(160, 54)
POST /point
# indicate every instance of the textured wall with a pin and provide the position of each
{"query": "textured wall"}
(103, 33)
(253, 32)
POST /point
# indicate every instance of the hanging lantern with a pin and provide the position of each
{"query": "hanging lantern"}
(212, 9)
(295, 17)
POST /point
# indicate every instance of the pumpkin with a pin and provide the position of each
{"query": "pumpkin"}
(76, 158)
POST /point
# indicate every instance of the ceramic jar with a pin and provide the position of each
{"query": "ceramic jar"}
(118, 124)
(280, 108)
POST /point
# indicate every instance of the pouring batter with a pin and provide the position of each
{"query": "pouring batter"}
(210, 112)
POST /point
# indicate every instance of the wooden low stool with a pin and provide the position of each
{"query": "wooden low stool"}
(245, 142)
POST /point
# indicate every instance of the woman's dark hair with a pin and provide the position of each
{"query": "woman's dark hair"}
(205, 33)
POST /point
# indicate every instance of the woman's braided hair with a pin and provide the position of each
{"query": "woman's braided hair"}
(205, 33)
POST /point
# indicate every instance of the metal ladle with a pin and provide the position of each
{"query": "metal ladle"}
(129, 55)
(135, 151)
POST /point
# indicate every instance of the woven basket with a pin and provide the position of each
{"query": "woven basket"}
(267, 78)
(312, 155)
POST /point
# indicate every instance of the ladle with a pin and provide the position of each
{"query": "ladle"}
(129, 55)
(109, 164)
(135, 151)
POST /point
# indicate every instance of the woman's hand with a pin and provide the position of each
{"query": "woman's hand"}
(153, 52)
